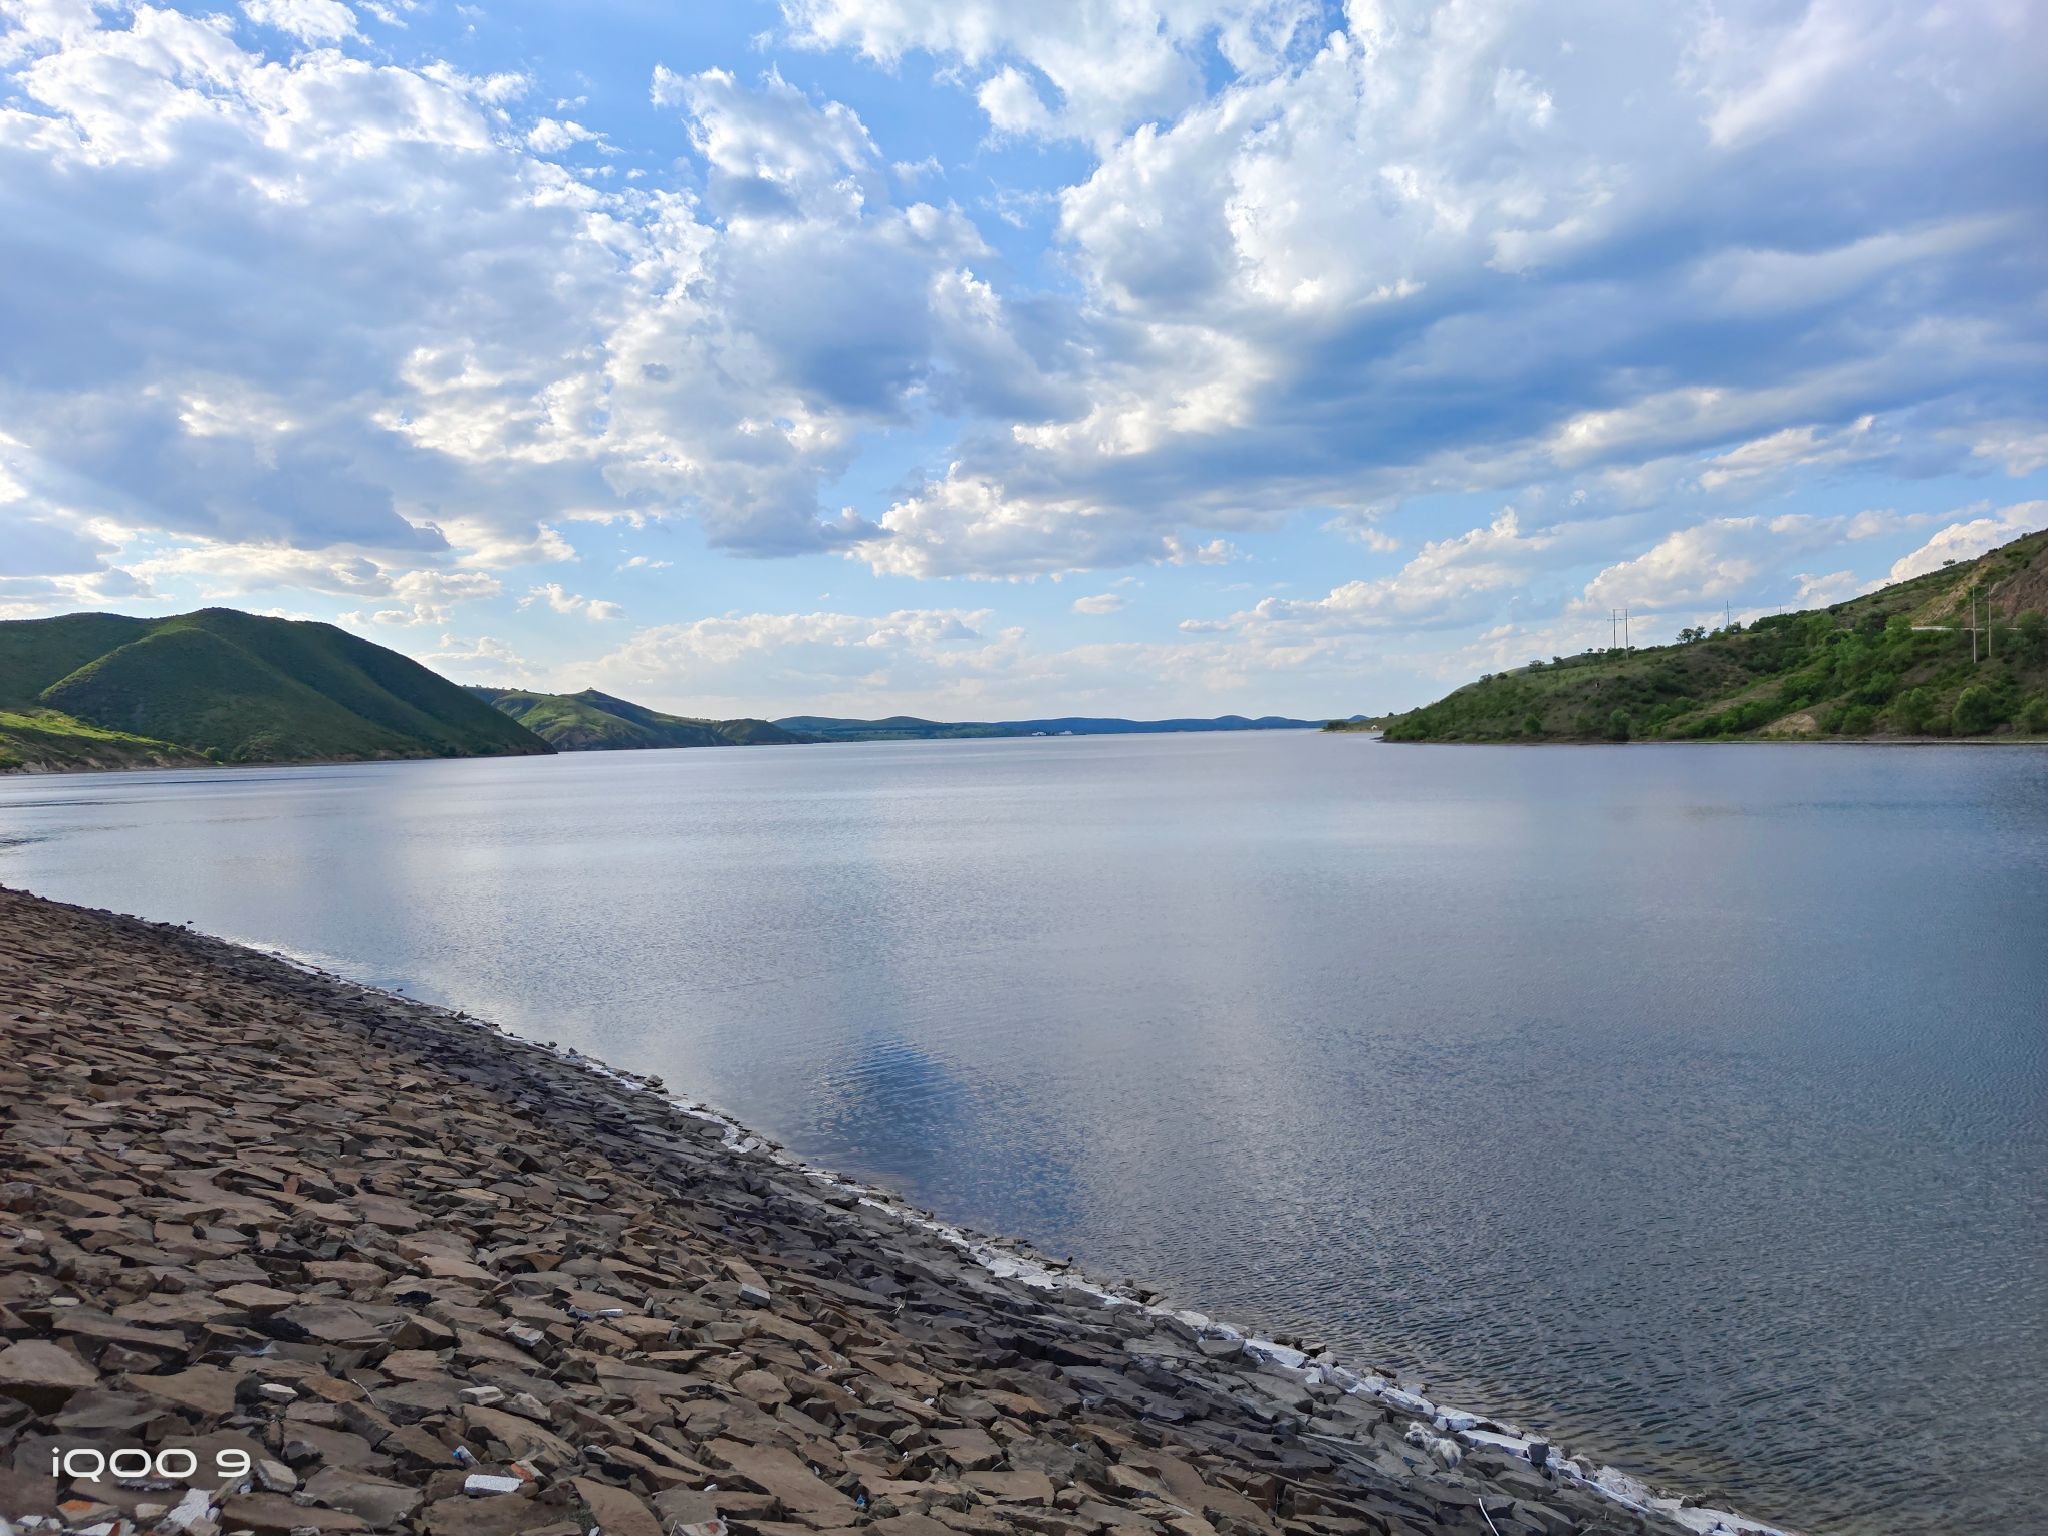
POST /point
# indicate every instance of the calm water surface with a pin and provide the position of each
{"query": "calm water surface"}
(1685, 1101)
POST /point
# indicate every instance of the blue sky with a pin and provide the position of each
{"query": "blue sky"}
(980, 359)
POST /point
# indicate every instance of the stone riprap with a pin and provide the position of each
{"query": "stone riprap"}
(416, 1275)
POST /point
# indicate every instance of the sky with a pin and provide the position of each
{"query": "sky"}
(980, 359)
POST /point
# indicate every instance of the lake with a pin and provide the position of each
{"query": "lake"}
(1684, 1101)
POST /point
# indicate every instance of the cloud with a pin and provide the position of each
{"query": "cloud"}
(484, 654)
(679, 647)
(1361, 526)
(1100, 603)
(1743, 560)
(1820, 591)
(947, 664)
(1013, 105)
(272, 288)
(425, 597)
(316, 299)
(420, 595)
(1108, 67)
(1449, 581)
(51, 546)
(310, 21)
(558, 599)
(1709, 562)
(1968, 539)
(24, 597)
(1805, 447)
(550, 136)
(1174, 550)
(2019, 448)
(1732, 248)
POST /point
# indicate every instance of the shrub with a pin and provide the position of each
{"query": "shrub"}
(2034, 715)
(1860, 720)
(1976, 711)
(1618, 726)
(1532, 725)
(1912, 710)
(2030, 636)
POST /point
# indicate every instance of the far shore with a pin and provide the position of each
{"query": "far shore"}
(33, 771)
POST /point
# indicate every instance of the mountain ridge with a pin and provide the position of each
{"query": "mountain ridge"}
(1893, 664)
(104, 690)
(218, 685)
(591, 721)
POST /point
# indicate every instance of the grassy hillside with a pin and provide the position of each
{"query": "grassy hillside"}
(1893, 664)
(49, 742)
(101, 690)
(597, 722)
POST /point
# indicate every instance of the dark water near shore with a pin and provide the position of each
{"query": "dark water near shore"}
(1688, 1102)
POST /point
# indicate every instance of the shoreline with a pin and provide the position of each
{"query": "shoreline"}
(38, 771)
(32, 771)
(1818, 740)
(1391, 1455)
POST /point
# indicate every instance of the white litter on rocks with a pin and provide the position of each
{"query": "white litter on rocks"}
(1441, 1447)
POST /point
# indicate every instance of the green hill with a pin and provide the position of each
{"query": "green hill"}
(100, 690)
(1894, 664)
(597, 722)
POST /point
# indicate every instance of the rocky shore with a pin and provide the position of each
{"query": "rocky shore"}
(376, 1267)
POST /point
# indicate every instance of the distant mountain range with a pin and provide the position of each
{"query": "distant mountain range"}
(910, 728)
(591, 721)
(597, 722)
(97, 690)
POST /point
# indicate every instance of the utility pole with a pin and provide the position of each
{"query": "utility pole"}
(1624, 629)
(1973, 626)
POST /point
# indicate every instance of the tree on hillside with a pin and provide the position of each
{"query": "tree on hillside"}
(1976, 711)
(1912, 710)
(2030, 637)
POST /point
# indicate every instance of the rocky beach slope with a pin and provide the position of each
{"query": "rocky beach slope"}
(417, 1275)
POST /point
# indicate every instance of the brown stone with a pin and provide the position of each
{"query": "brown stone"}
(274, 1514)
(378, 1500)
(205, 1389)
(504, 1514)
(255, 1298)
(42, 1374)
(616, 1511)
(775, 1471)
